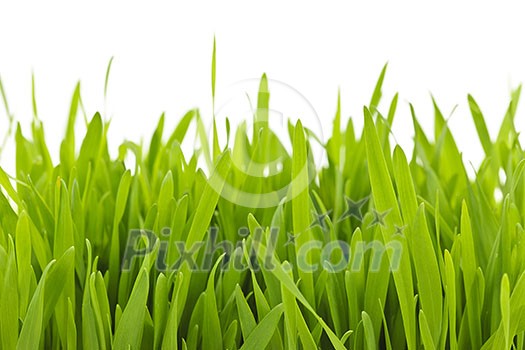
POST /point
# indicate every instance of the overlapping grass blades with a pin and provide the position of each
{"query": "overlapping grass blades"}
(67, 279)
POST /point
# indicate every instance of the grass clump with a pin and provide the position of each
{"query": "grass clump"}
(372, 250)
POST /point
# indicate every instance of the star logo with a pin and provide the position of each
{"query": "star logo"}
(379, 218)
(400, 230)
(354, 209)
(320, 220)
(291, 239)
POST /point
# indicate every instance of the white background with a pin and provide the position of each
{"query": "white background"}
(163, 51)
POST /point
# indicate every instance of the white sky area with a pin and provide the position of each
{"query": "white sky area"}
(162, 60)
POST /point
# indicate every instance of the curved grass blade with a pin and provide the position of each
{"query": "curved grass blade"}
(261, 335)
(385, 200)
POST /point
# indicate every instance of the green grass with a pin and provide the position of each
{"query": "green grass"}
(372, 250)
